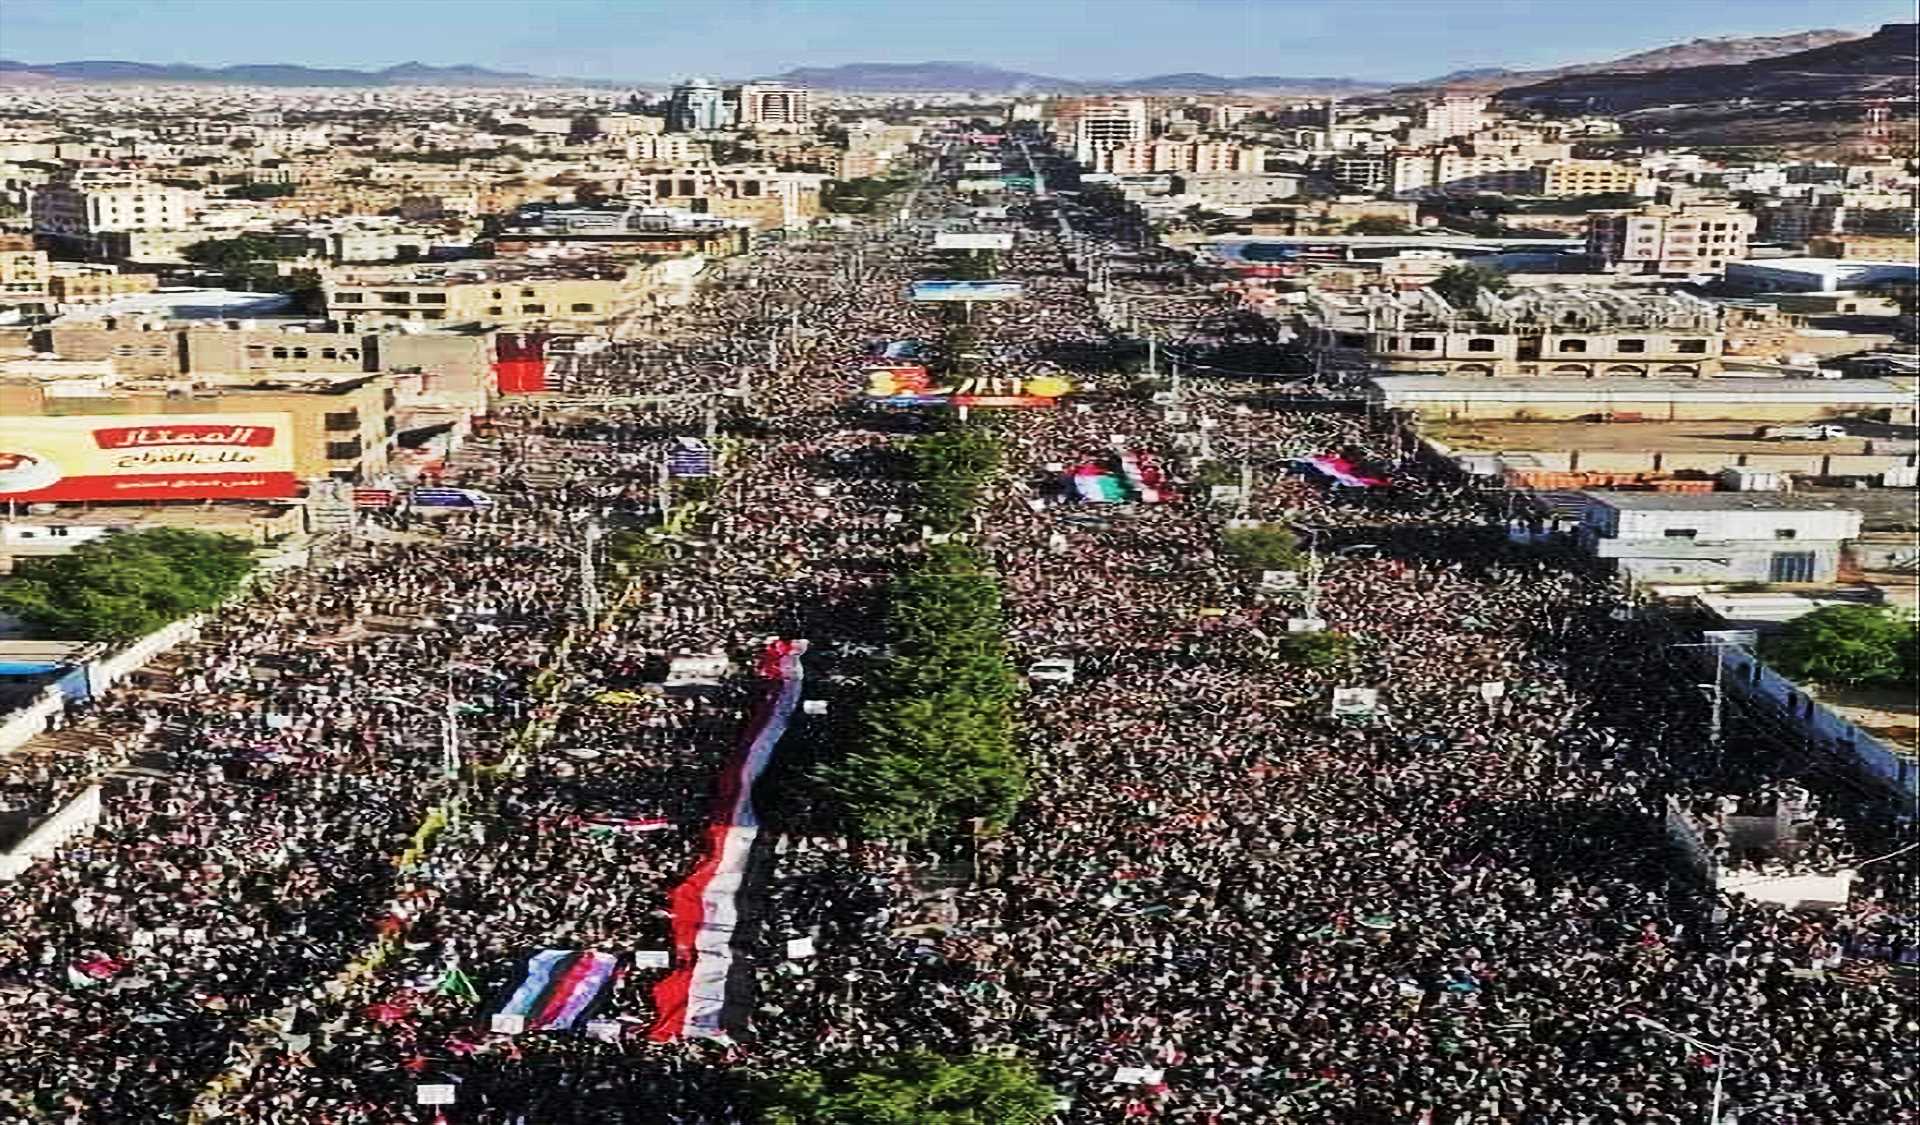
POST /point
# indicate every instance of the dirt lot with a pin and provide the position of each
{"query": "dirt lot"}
(1886, 713)
(1646, 437)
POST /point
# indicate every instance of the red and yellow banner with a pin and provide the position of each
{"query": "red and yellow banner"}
(99, 457)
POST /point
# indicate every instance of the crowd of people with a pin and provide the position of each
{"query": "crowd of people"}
(1221, 904)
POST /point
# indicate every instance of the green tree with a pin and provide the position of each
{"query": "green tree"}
(1378, 224)
(1849, 645)
(915, 1088)
(1266, 547)
(125, 586)
(1462, 283)
(261, 191)
(235, 254)
(1318, 651)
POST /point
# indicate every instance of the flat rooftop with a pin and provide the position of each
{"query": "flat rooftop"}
(1719, 501)
(1547, 388)
(1732, 439)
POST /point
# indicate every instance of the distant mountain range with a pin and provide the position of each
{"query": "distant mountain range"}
(926, 77)
(1860, 66)
(266, 74)
(1699, 52)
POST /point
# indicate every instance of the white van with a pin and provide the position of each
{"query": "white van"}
(1052, 670)
(1816, 432)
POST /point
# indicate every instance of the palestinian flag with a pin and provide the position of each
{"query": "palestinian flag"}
(1144, 478)
(1345, 472)
(1095, 485)
(560, 985)
(707, 993)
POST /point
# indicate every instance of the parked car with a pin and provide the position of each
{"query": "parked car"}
(1813, 432)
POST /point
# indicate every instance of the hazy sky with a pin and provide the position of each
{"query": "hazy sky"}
(667, 39)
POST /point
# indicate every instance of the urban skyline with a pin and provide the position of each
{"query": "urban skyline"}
(649, 41)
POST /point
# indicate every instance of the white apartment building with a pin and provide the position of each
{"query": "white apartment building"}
(1183, 156)
(1101, 127)
(1661, 238)
(82, 208)
(1445, 118)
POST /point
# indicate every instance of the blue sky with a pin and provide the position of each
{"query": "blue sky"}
(666, 39)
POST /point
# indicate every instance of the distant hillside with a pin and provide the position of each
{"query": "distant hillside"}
(899, 78)
(1882, 63)
(1699, 52)
(263, 74)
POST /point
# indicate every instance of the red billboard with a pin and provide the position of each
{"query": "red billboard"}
(97, 457)
(520, 362)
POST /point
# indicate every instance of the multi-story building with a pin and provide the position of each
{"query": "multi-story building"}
(1237, 189)
(772, 105)
(523, 291)
(1562, 178)
(1860, 248)
(24, 272)
(1100, 127)
(698, 106)
(1182, 156)
(72, 284)
(1575, 333)
(77, 209)
(1445, 118)
(770, 198)
(1691, 238)
(669, 148)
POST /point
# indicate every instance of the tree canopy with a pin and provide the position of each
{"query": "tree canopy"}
(238, 252)
(916, 1088)
(125, 586)
(1378, 224)
(1847, 645)
(1266, 547)
(1462, 283)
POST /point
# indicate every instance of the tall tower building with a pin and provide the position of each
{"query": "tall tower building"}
(698, 106)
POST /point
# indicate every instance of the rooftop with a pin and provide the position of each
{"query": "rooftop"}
(1859, 392)
(1716, 501)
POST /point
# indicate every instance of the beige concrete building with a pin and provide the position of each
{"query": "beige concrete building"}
(772, 105)
(1139, 157)
(83, 285)
(1691, 238)
(80, 207)
(1863, 248)
(1754, 400)
(342, 426)
(760, 193)
(24, 271)
(518, 291)
(1567, 333)
(1563, 178)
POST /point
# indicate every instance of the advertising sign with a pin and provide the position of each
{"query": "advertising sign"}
(981, 166)
(967, 240)
(147, 457)
(1355, 701)
(895, 386)
(965, 290)
(979, 185)
(989, 212)
(450, 498)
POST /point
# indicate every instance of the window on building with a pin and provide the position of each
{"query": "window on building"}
(299, 353)
(396, 297)
(1573, 345)
(1351, 340)
(279, 353)
(329, 353)
(1680, 532)
(342, 421)
(1425, 343)
(494, 310)
(1784, 533)
(1693, 347)
(1480, 344)
(433, 314)
(344, 450)
(432, 298)
(1631, 345)
(582, 306)
(348, 298)
(533, 308)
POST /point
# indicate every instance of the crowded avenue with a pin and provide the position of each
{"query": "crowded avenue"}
(342, 823)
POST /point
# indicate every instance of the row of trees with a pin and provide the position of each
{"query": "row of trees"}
(938, 747)
(125, 586)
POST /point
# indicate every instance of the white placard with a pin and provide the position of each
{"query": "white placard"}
(194, 937)
(142, 939)
(1224, 493)
(1279, 580)
(508, 1023)
(607, 1031)
(651, 959)
(814, 706)
(799, 947)
(438, 1094)
(1493, 689)
(962, 240)
(1355, 701)
(1055, 466)
(1138, 1076)
(1306, 625)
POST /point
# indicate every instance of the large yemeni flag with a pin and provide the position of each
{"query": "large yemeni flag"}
(1345, 472)
(694, 999)
(559, 985)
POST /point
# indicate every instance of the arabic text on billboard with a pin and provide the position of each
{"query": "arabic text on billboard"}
(966, 290)
(968, 240)
(99, 457)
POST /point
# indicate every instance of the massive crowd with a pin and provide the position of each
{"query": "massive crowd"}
(1450, 911)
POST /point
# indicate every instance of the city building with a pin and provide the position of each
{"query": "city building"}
(1448, 117)
(1099, 127)
(698, 106)
(1548, 331)
(24, 272)
(1563, 178)
(1661, 238)
(1237, 189)
(760, 193)
(77, 209)
(1863, 248)
(1818, 275)
(74, 284)
(503, 291)
(1181, 156)
(1529, 398)
(772, 105)
(621, 232)
(1717, 536)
